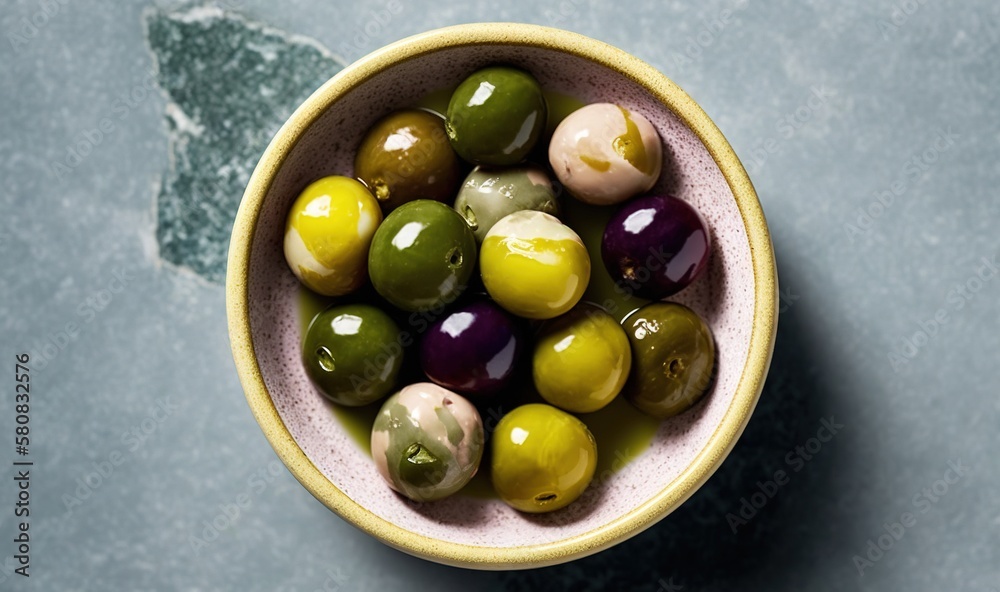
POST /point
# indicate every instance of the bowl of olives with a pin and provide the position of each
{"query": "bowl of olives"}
(501, 295)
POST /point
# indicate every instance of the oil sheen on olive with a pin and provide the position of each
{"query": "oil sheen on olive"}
(427, 442)
(422, 256)
(581, 360)
(673, 358)
(406, 156)
(353, 353)
(491, 193)
(543, 459)
(496, 116)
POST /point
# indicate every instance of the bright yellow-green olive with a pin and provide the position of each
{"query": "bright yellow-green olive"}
(328, 232)
(543, 458)
(533, 265)
(582, 360)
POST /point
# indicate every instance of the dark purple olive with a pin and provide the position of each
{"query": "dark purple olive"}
(472, 350)
(655, 246)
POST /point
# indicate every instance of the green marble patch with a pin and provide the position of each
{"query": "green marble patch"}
(230, 84)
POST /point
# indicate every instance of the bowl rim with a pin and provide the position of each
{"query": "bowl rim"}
(719, 444)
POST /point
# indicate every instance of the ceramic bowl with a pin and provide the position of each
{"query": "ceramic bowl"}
(737, 297)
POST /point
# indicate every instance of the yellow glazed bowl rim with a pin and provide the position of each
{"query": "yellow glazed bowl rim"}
(676, 492)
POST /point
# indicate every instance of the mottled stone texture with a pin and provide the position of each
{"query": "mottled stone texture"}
(231, 84)
(880, 223)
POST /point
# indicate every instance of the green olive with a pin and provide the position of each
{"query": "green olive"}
(422, 256)
(543, 458)
(582, 360)
(490, 193)
(406, 156)
(353, 353)
(673, 358)
(496, 116)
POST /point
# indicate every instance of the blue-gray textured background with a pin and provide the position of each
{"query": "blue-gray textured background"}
(870, 129)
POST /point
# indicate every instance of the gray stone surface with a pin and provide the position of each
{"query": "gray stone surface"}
(231, 85)
(829, 105)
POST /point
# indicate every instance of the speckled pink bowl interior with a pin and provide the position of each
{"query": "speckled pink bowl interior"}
(724, 297)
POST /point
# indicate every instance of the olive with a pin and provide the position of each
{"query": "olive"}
(604, 154)
(327, 235)
(582, 360)
(472, 350)
(543, 458)
(353, 353)
(405, 156)
(533, 265)
(422, 256)
(489, 194)
(673, 359)
(427, 442)
(657, 245)
(496, 116)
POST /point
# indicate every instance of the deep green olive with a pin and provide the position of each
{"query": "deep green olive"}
(422, 256)
(406, 156)
(353, 353)
(496, 116)
(490, 193)
(673, 358)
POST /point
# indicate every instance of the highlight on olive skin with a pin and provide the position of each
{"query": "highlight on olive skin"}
(406, 156)
(543, 458)
(496, 116)
(674, 359)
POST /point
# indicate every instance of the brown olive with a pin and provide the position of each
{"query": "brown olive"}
(673, 359)
(406, 156)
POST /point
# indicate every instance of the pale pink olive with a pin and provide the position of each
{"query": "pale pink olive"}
(427, 441)
(604, 154)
